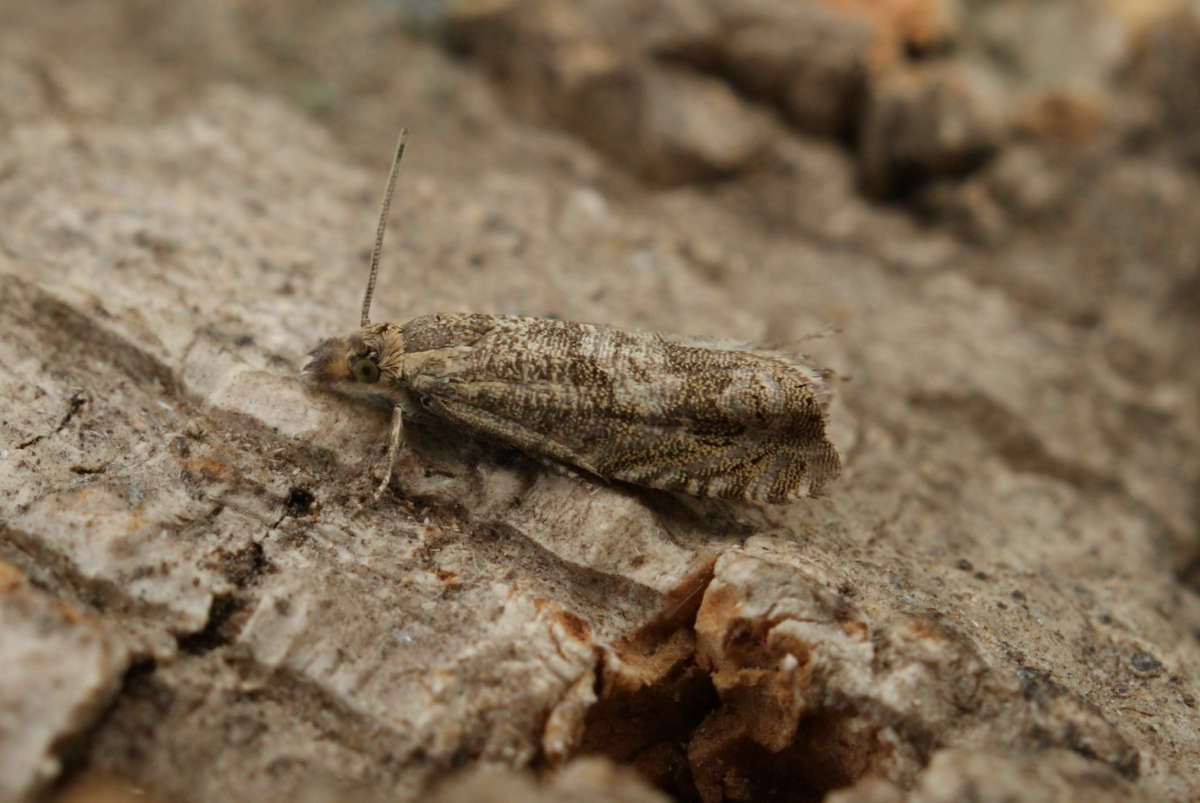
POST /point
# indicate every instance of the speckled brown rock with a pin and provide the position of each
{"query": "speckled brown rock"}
(1055, 776)
(668, 124)
(927, 89)
(586, 780)
(60, 668)
(926, 123)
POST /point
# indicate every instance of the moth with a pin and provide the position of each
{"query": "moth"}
(709, 418)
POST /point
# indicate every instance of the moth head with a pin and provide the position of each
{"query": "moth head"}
(368, 362)
(361, 363)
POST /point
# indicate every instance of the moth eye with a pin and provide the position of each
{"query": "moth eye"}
(365, 370)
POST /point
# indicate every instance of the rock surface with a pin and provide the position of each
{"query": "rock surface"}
(997, 601)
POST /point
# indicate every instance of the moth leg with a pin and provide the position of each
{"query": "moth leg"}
(393, 448)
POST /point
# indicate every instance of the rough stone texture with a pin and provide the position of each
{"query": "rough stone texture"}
(997, 601)
(59, 668)
(928, 88)
(671, 125)
(1165, 62)
(962, 776)
(587, 780)
(925, 123)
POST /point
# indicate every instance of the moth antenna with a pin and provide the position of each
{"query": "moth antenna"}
(377, 251)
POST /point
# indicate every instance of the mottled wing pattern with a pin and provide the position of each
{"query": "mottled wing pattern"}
(708, 418)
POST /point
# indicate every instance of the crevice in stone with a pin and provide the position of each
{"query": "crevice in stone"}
(66, 331)
(75, 750)
(711, 733)
(576, 587)
(244, 567)
(218, 631)
(49, 570)
(652, 694)
(299, 502)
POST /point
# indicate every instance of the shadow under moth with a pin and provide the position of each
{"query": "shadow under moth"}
(705, 417)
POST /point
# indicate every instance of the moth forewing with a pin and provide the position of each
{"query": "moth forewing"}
(701, 417)
(705, 417)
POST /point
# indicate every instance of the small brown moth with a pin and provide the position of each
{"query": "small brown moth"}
(704, 417)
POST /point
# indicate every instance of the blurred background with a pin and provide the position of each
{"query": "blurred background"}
(1067, 127)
